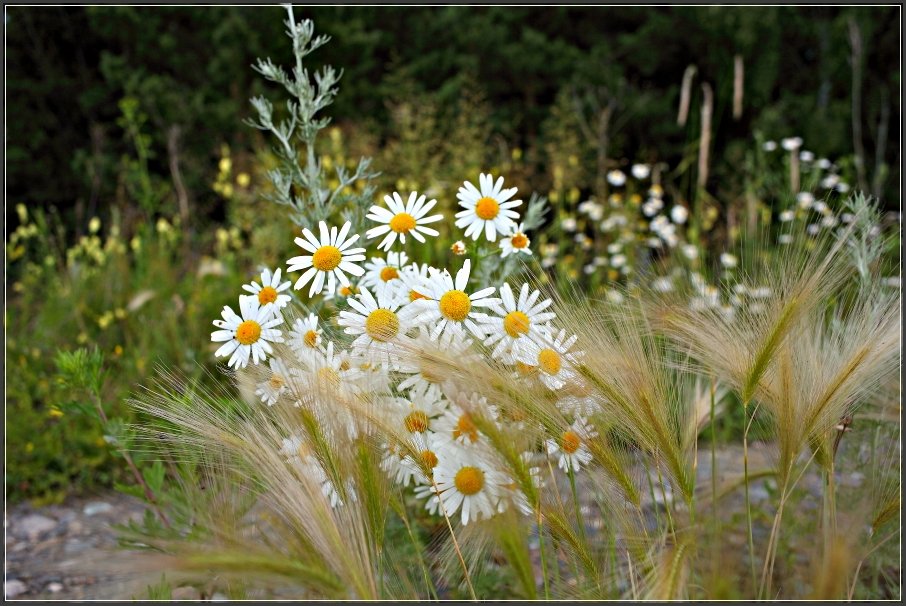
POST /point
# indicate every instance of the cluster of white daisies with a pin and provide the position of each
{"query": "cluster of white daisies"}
(397, 310)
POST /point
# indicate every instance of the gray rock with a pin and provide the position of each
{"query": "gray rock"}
(185, 593)
(14, 588)
(33, 526)
(54, 587)
(96, 507)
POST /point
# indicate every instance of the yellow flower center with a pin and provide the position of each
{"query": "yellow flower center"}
(266, 295)
(402, 223)
(469, 480)
(549, 361)
(345, 291)
(416, 422)
(389, 273)
(516, 323)
(382, 325)
(519, 240)
(311, 339)
(277, 381)
(465, 426)
(326, 258)
(248, 332)
(570, 442)
(429, 459)
(414, 296)
(487, 208)
(455, 305)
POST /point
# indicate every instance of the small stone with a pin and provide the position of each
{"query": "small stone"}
(55, 587)
(185, 593)
(14, 588)
(97, 507)
(35, 525)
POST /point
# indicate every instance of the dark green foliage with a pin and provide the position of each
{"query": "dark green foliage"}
(187, 69)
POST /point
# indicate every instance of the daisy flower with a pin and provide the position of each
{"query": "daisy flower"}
(466, 481)
(487, 208)
(522, 320)
(516, 242)
(411, 278)
(249, 335)
(447, 307)
(553, 358)
(430, 450)
(572, 446)
(330, 258)
(383, 271)
(417, 413)
(616, 177)
(457, 425)
(402, 219)
(271, 390)
(269, 290)
(375, 323)
(305, 336)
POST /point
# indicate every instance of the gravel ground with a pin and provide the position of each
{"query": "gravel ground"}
(59, 552)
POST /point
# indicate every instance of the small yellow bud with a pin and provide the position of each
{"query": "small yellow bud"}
(243, 180)
(225, 165)
(22, 211)
(94, 225)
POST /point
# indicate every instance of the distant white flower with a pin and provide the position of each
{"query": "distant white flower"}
(652, 207)
(805, 199)
(486, 209)
(458, 248)
(729, 261)
(791, 143)
(269, 290)
(824, 164)
(616, 178)
(401, 219)
(568, 224)
(330, 257)
(248, 335)
(618, 261)
(785, 238)
(769, 146)
(662, 284)
(842, 187)
(787, 216)
(641, 171)
(690, 251)
(679, 214)
(806, 156)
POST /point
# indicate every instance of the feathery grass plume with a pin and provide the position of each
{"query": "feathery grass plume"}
(826, 369)
(741, 348)
(324, 507)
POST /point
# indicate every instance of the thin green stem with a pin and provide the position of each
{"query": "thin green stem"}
(547, 593)
(745, 471)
